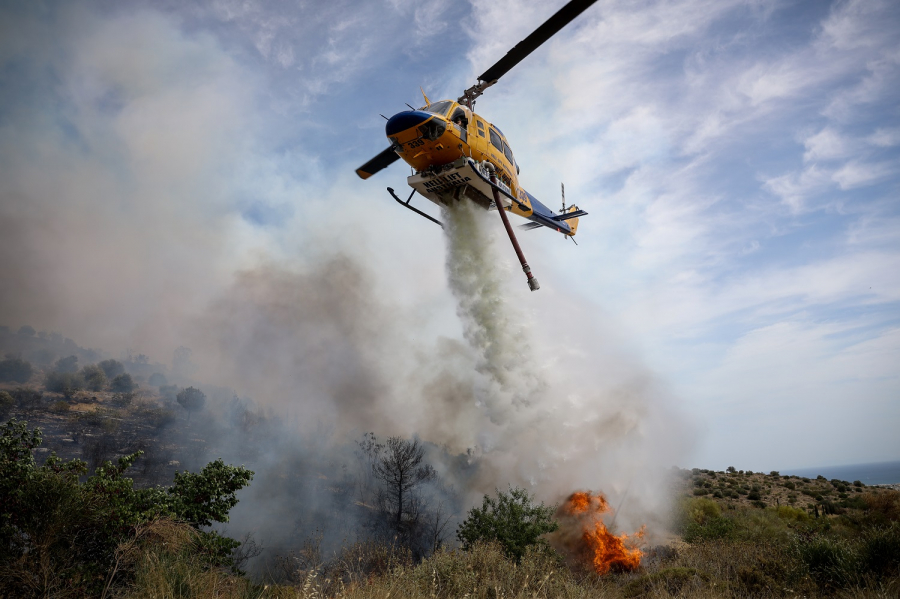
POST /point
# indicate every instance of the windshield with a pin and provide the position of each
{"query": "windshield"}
(440, 108)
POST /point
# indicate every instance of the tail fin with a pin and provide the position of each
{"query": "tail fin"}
(573, 222)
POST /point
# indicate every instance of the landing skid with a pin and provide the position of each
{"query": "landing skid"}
(416, 210)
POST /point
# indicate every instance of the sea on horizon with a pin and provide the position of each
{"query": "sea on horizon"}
(878, 473)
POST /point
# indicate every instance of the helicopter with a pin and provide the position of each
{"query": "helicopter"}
(457, 155)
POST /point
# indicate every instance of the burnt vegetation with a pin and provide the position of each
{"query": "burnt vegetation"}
(125, 489)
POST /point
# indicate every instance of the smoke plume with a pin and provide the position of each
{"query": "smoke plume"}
(127, 164)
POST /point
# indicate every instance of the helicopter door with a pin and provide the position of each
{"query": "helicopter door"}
(461, 120)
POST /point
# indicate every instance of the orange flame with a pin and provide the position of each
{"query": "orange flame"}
(584, 536)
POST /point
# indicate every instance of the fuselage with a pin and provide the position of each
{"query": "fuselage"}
(443, 132)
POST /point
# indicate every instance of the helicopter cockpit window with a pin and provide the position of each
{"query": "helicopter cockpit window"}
(440, 108)
(496, 141)
(508, 153)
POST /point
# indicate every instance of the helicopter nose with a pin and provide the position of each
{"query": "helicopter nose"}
(405, 120)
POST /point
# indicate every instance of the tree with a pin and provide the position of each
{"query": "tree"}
(399, 467)
(59, 536)
(15, 369)
(94, 377)
(67, 365)
(123, 383)
(112, 368)
(191, 399)
(157, 379)
(512, 519)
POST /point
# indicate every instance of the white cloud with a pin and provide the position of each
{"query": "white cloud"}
(827, 144)
(795, 188)
(885, 138)
(857, 173)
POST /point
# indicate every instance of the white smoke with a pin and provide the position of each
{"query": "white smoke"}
(562, 408)
(121, 228)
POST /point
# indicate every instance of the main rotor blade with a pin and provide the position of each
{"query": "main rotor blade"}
(540, 35)
(383, 160)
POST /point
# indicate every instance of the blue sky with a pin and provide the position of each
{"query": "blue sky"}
(739, 161)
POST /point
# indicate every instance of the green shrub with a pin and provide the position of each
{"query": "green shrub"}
(716, 528)
(880, 550)
(14, 369)
(792, 514)
(157, 379)
(112, 368)
(123, 383)
(59, 536)
(67, 383)
(68, 364)
(701, 519)
(94, 377)
(512, 519)
(832, 562)
(699, 510)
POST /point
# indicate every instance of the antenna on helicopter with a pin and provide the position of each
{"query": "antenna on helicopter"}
(563, 187)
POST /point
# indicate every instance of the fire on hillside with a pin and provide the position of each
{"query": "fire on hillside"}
(584, 537)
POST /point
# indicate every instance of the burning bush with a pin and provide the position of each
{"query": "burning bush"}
(584, 537)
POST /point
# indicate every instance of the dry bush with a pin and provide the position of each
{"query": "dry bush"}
(162, 562)
(163, 535)
(482, 572)
(883, 506)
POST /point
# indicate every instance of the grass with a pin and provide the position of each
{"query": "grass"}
(716, 569)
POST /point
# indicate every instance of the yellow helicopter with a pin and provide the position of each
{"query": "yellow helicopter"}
(457, 155)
